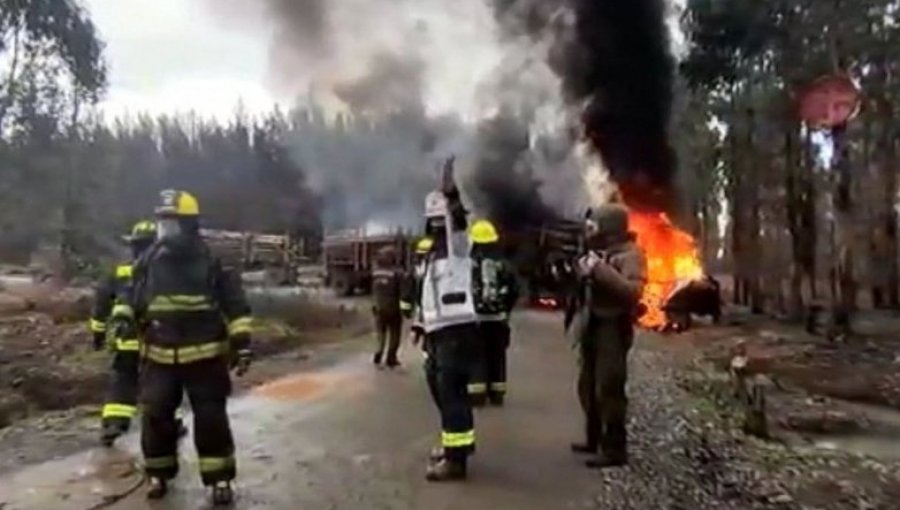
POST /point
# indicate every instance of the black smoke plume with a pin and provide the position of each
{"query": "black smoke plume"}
(615, 62)
(506, 187)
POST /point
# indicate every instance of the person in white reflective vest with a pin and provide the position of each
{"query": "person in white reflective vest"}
(450, 324)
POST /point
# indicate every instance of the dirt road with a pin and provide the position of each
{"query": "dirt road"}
(345, 436)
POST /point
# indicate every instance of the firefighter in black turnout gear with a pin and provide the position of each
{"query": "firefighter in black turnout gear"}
(413, 310)
(195, 325)
(388, 307)
(450, 323)
(412, 289)
(113, 328)
(496, 293)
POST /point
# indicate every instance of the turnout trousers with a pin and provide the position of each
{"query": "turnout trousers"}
(388, 328)
(489, 373)
(208, 385)
(602, 376)
(122, 395)
(431, 373)
(449, 365)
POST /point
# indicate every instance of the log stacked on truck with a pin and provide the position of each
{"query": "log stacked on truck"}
(278, 254)
(348, 257)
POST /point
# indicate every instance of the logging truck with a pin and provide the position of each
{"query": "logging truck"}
(279, 256)
(348, 257)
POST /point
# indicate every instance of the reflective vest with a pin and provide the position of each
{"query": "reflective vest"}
(488, 289)
(447, 298)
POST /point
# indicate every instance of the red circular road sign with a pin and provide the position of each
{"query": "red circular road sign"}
(829, 101)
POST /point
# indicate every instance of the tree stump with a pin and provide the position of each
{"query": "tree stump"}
(751, 397)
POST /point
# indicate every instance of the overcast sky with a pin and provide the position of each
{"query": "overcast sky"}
(180, 55)
(167, 55)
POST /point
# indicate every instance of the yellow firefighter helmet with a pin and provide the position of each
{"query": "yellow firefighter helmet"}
(424, 245)
(483, 232)
(177, 203)
(142, 231)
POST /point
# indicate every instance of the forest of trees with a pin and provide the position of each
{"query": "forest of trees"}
(799, 229)
(73, 180)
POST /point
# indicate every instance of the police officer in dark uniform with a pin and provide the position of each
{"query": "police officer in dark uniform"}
(387, 290)
(613, 275)
(195, 324)
(114, 330)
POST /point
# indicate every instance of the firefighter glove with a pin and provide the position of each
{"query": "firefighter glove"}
(99, 341)
(241, 360)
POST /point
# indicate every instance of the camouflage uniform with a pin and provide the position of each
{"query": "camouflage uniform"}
(613, 276)
(387, 290)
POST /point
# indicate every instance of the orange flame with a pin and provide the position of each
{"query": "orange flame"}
(671, 257)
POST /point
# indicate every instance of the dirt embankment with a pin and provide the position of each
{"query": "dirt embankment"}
(831, 409)
(47, 364)
(812, 385)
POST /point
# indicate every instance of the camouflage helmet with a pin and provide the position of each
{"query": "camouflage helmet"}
(608, 221)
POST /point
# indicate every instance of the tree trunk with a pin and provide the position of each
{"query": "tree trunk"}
(737, 218)
(889, 275)
(845, 303)
(794, 210)
(752, 233)
(808, 218)
(8, 99)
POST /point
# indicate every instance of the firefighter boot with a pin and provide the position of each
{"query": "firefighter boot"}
(222, 494)
(437, 453)
(157, 488)
(446, 470)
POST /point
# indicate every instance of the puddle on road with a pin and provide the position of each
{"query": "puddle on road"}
(81, 480)
(298, 387)
(75, 482)
(312, 385)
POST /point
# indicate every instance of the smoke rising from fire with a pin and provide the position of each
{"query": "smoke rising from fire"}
(506, 85)
(615, 62)
(416, 81)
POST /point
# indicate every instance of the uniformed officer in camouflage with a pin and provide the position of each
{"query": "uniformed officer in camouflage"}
(613, 274)
(388, 306)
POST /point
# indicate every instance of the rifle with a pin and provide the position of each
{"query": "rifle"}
(579, 287)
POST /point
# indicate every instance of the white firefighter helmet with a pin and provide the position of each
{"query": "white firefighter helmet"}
(435, 205)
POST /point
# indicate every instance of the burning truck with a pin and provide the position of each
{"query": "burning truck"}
(677, 287)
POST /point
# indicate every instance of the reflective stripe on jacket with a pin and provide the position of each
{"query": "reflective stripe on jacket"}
(112, 290)
(188, 305)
